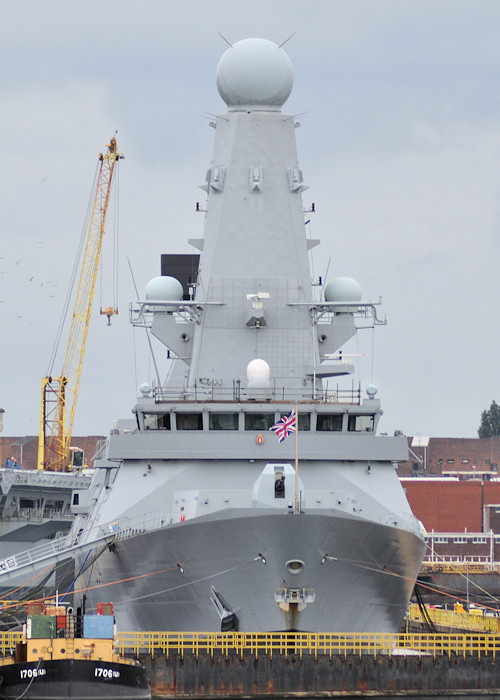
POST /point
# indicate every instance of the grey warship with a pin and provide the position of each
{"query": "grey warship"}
(218, 524)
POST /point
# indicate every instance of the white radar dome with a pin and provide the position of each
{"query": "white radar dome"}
(343, 289)
(258, 369)
(145, 389)
(259, 383)
(254, 73)
(164, 289)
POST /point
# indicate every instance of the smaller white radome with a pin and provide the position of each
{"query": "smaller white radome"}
(258, 369)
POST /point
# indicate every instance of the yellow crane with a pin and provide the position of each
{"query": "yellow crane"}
(59, 394)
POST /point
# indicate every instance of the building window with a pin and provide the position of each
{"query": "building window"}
(259, 421)
(441, 540)
(223, 421)
(460, 540)
(465, 461)
(479, 540)
(450, 461)
(189, 421)
(304, 420)
(360, 424)
(329, 421)
(157, 421)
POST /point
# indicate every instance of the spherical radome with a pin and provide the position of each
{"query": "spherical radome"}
(259, 383)
(371, 390)
(164, 289)
(258, 369)
(343, 289)
(145, 389)
(254, 73)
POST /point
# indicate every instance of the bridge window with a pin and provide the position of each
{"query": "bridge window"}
(360, 424)
(189, 421)
(329, 421)
(304, 420)
(28, 503)
(223, 421)
(157, 421)
(259, 421)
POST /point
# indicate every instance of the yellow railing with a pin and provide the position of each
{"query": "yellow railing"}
(8, 641)
(305, 644)
(460, 567)
(457, 620)
(302, 644)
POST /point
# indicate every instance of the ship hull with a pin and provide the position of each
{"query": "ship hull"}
(82, 680)
(352, 575)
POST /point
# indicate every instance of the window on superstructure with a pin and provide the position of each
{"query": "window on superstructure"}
(329, 421)
(189, 421)
(259, 421)
(304, 420)
(223, 421)
(157, 421)
(360, 424)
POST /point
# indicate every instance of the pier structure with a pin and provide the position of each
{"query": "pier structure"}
(257, 665)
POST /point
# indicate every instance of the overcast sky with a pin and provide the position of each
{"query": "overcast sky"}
(399, 144)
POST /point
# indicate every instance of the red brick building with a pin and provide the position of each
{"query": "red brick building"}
(453, 487)
(463, 457)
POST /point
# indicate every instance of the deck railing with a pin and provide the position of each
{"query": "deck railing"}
(308, 643)
(212, 393)
(301, 644)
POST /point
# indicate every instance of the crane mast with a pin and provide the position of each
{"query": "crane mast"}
(59, 394)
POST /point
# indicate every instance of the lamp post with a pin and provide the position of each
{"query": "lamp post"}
(2, 411)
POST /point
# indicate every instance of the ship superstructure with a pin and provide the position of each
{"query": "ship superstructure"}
(35, 510)
(218, 524)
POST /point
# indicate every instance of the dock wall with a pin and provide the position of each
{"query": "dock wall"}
(244, 675)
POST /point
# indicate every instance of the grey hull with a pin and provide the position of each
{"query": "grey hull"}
(361, 574)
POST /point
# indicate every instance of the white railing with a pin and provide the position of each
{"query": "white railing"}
(208, 393)
(75, 541)
(34, 477)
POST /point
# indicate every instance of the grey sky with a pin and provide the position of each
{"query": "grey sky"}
(400, 145)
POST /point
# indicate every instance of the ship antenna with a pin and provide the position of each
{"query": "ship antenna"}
(147, 329)
(227, 42)
(284, 42)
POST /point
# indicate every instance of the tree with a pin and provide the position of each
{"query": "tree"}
(490, 422)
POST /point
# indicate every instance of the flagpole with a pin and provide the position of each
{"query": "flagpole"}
(296, 460)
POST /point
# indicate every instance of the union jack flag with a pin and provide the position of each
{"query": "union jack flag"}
(285, 426)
